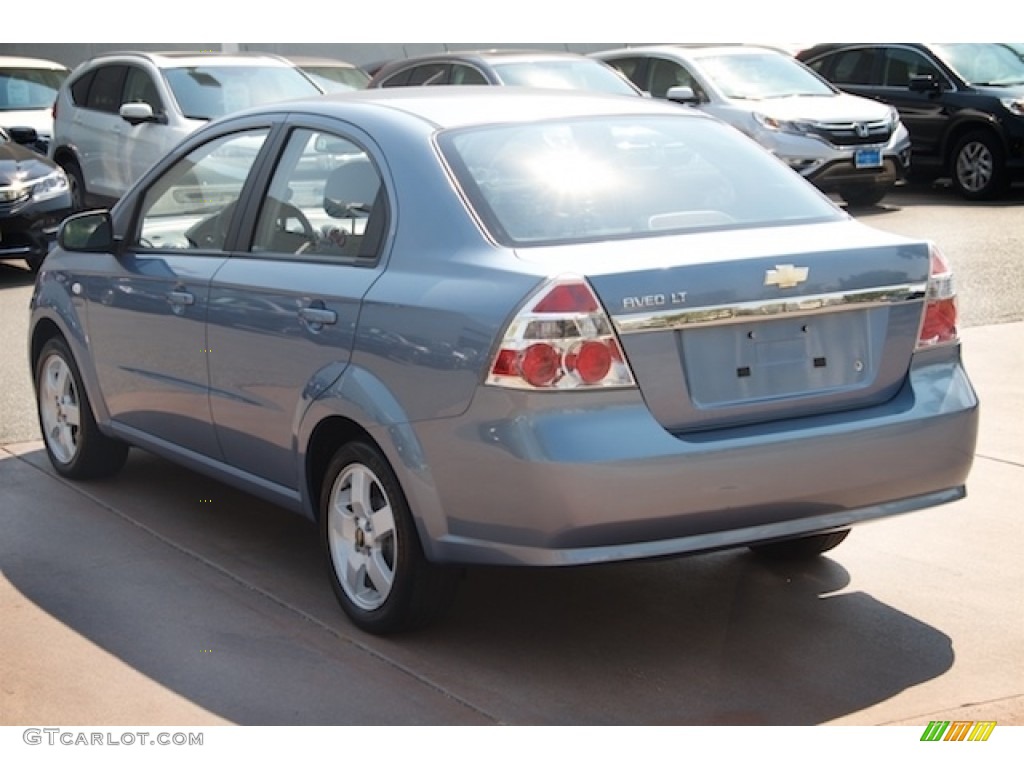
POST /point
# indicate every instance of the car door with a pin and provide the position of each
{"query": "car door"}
(924, 112)
(142, 144)
(147, 312)
(283, 310)
(95, 131)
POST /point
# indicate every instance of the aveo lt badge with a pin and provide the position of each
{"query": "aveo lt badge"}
(786, 276)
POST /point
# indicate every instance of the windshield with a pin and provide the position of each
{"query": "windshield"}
(583, 74)
(332, 79)
(27, 88)
(207, 92)
(984, 63)
(762, 75)
(623, 176)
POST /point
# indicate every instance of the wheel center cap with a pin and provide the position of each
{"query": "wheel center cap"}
(360, 538)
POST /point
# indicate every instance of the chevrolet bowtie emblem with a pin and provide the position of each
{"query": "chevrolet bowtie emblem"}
(786, 276)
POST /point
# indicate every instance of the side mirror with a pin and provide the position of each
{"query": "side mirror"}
(23, 134)
(683, 94)
(138, 112)
(90, 232)
(924, 84)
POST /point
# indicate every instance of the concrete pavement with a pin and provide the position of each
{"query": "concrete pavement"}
(127, 602)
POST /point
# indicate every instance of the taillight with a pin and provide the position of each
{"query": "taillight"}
(938, 326)
(562, 339)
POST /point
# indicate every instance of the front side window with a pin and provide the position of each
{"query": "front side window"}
(614, 177)
(191, 206)
(901, 64)
(665, 74)
(325, 199)
(139, 88)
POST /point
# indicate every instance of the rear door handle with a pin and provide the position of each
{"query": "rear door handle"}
(316, 316)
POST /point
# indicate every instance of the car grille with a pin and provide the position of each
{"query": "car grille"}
(851, 134)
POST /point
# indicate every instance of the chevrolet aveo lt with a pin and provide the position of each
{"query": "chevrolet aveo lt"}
(504, 326)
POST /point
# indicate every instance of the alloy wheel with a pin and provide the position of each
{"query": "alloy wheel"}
(361, 536)
(59, 407)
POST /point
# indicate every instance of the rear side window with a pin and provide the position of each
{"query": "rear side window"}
(107, 85)
(80, 88)
(563, 181)
(854, 67)
(325, 199)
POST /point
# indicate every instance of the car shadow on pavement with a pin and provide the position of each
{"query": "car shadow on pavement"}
(224, 600)
(12, 274)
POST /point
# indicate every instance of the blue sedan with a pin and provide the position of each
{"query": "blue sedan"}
(504, 326)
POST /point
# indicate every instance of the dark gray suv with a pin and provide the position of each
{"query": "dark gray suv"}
(963, 104)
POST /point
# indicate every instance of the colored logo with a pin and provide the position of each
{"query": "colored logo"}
(958, 730)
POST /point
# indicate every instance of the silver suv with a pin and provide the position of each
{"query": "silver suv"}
(119, 113)
(845, 144)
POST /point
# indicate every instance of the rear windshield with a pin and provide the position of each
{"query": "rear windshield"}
(207, 92)
(27, 88)
(623, 176)
(576, 75)
(332, 79)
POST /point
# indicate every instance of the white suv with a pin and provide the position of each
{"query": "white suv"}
(842, 143)
(119, 113)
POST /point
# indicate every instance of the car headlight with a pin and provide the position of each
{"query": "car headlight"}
(894, 117)
(13, 193)
(49, 186)
(1015, 104)
(782, 126)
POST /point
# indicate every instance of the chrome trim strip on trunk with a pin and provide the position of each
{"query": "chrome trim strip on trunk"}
(724, 314)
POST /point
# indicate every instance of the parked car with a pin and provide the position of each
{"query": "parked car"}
(34, 198)
(963, 104)
(118, 113)
(504, 326)
(538, 69)
(841, 143)
(331, 75)
(28, 88)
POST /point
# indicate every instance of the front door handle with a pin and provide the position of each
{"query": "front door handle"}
(318, 316)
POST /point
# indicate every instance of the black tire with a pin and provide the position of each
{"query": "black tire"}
(803, 548)
(978, 166)
(378, 571)
(75, 445)
(864, 196)
(76, 184)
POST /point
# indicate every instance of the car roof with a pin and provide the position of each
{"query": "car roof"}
(681, 49)
(170, 59)
(480, 104)
(319, 61)
(30, 63)
(486, 56)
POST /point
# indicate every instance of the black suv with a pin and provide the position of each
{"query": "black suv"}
(963, 104)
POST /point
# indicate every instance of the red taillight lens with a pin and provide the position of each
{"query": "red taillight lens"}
(562, 339)
(939, 324)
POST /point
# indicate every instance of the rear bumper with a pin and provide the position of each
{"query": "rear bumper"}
(549, 480)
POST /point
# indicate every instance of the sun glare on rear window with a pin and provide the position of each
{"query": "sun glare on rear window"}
(598, 178)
